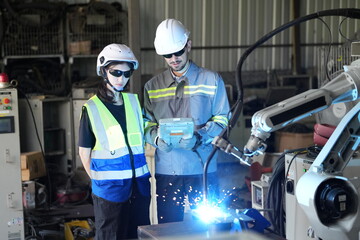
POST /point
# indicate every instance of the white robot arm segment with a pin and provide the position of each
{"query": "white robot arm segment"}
(343, 88)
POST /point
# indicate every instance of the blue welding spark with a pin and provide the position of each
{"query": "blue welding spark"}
(210, 214)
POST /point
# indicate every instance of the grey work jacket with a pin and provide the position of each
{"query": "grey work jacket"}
(199, 94)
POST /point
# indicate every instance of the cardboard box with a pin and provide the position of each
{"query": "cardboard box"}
(286, 140)
(32, 165)
(79, 48)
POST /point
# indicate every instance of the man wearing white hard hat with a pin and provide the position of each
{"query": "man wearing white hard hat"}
(111, 148)
(183, 91)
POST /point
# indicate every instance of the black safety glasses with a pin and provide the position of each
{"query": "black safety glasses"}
(119, 73)
(177, 54)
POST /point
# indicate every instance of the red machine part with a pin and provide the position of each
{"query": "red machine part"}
(322, 133)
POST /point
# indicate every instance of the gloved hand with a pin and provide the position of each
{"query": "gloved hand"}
(190, 143)
(162, 145)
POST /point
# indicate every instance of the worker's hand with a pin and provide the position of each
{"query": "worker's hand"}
(162, 145)
(190, 143)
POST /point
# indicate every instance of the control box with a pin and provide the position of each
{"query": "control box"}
(11, 207)
(297, 224)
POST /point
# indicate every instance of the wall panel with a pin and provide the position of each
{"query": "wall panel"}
(222, 30)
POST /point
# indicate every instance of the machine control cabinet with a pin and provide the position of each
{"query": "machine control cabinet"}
(11, 207)
(297, 224)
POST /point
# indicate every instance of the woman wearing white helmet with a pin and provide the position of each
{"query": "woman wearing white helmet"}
(111, 148)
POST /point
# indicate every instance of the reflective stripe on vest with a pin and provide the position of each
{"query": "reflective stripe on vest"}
(110, 141)
(116, 153)
(109, 175)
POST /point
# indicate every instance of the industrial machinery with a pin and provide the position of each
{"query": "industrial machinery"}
(12, 220)
(329, 200)
(298, 227)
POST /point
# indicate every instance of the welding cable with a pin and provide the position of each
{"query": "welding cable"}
(345, 12)
(206, 166)
(237, 108)
(341, 33)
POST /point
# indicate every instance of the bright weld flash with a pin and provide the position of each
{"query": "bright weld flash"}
(210, 214)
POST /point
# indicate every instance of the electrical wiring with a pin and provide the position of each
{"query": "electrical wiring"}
(33, 233)
(276, 191)
(313, 151)
(275, 198)
(291, 161)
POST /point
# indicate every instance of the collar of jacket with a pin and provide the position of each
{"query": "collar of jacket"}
(170, 79)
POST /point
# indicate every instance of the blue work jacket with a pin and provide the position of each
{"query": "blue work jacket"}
(199, 94)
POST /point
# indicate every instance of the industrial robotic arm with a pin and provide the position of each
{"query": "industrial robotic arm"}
(343, 88)
(330, 201)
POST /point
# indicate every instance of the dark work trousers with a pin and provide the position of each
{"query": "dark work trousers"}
(114, 220)
(171, 191)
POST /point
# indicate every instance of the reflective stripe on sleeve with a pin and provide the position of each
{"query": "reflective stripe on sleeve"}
(220, 119)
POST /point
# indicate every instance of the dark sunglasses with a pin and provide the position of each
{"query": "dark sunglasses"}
(177, 54)
(119, 73)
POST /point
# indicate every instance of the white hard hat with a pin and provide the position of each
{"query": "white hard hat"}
(115, 53)
(171, 36)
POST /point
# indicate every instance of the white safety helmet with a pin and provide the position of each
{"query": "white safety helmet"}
(115, 53)
(171, 36)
